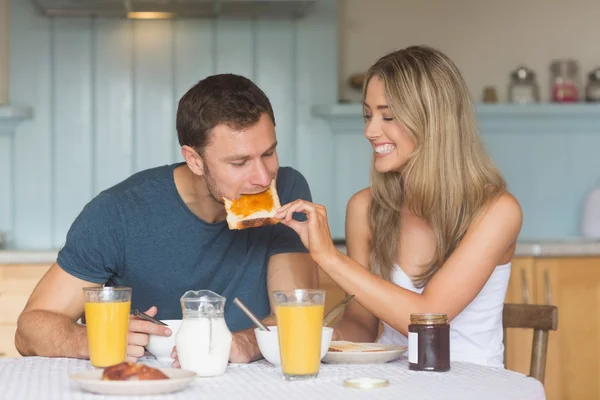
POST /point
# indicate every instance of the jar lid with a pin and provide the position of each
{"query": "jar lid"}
(522, 73)
(428, 318)
(594, 75)
(566, 66)
(366, 383)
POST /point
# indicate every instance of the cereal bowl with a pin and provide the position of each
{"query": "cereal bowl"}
(268, 343)
(162, 346)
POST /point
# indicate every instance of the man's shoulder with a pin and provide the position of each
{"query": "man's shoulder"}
(142, 178)
(133, 191)
(288, 174)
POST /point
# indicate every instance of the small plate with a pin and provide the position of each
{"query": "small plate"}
(91, 381)
(391, 353)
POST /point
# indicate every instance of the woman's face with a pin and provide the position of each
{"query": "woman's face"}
(391, 143)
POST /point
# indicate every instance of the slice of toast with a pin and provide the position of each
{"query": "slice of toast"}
(343, 346)
(253, 210)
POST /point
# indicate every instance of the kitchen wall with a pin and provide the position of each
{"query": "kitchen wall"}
(487, 39)
(547, 154)
(104, 95)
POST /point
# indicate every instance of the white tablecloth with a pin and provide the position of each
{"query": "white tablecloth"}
(48, 378)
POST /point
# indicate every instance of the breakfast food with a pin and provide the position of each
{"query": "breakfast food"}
(253, 210)
(128, 371)
(343, 346)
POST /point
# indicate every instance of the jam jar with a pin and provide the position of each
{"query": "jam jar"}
(429, 342)
(564, 81)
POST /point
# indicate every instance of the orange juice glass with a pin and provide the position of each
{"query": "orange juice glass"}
(107, 320)
(299, 316)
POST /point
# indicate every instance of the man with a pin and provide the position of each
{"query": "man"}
(163, 231)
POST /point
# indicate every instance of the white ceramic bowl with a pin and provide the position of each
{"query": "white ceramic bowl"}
(162, 346)
(268, 343)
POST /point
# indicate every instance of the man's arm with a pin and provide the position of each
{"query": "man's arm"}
(47, 326)
(286, 271)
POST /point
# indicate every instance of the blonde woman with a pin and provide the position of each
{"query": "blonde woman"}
(436, 230)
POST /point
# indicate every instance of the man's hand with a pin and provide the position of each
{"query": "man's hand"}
(139, 334)
(242, 349)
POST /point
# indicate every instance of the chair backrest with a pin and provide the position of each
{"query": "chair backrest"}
(540, 318)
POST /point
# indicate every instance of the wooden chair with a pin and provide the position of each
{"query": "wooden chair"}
(540, 318)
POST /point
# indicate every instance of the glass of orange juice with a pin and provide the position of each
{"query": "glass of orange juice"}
(299, 316)
(107, 320)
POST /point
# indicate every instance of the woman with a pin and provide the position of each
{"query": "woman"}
(436, 230)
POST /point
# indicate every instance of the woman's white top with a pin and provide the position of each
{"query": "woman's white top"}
(476, 333)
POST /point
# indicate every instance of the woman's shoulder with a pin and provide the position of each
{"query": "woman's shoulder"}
(502, 209)
(357, 219)
(505, 203)
(359, 202)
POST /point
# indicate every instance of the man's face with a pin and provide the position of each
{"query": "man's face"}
(241, 162)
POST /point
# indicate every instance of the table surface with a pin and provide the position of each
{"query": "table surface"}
(49, 378)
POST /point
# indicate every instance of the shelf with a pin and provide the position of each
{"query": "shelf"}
(542, 109)
(543, 117)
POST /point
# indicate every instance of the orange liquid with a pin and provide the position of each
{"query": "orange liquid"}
(107, 326)
(299, 328)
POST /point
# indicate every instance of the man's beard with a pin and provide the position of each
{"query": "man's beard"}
(211, 185)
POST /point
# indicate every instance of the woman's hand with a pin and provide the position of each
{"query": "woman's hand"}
(314, 232)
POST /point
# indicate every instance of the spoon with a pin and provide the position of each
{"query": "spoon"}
(250, 314)
(336, 310)
(145, 316)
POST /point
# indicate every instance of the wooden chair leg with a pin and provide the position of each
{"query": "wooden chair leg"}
(538, 355)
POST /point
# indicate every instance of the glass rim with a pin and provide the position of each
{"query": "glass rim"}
(309, 291)
(107, 289)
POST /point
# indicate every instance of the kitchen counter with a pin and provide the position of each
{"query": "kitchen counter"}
(559, 248)
(8, 256)
(562, 248)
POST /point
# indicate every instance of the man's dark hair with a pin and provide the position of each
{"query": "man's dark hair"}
(219, 99)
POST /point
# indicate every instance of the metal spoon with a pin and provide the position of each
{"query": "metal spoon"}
(250, 314)
(145, 316)
(336, 310)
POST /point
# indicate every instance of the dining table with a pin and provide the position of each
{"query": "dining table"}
(39, 378)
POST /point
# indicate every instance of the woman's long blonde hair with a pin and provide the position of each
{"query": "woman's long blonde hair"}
(449, 176)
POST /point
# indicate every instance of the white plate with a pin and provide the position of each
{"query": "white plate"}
(392, 353)
(91, 381)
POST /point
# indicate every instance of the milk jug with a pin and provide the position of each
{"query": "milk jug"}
(203, 341)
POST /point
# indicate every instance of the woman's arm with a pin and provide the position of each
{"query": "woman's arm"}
(452, 288)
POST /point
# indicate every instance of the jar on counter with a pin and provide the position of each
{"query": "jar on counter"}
(429, 342)
(564, 81)
(523, 88)
(592, 89)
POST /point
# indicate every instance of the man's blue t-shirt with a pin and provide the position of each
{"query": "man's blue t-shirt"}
(141, 234)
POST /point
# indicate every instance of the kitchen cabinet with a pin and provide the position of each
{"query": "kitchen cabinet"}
(573, 365)
(17, 282)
